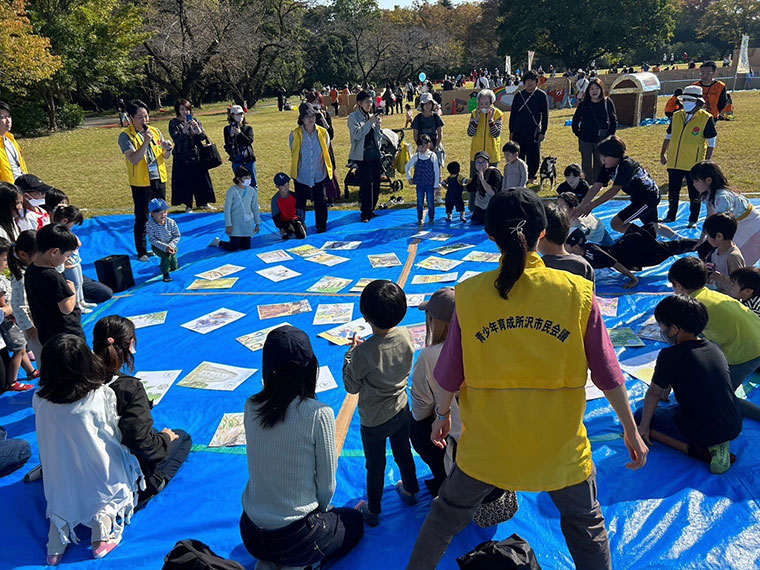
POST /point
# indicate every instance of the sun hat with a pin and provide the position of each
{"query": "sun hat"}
(692, 93)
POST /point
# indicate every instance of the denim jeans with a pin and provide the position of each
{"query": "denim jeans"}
(74, 274)
(421, 194)
(13, 453)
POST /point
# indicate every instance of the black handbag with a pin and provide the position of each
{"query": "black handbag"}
(514, 553)
(192, 554)
(209, 155)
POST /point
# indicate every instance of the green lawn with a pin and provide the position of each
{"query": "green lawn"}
(86, 163)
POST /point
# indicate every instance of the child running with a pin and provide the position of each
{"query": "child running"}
(163, 234)
(454, 184)
(426, 178)
(378, 370)
(242, 217)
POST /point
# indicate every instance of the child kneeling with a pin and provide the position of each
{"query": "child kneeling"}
(707, 416)
(284, 213)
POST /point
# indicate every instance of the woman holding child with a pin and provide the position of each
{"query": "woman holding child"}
(522, 414)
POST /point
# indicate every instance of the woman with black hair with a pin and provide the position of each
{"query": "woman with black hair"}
(287, 518)
(594, 120)
(522, 413)
(11, 205)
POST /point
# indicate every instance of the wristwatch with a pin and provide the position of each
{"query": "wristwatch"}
(442, 417)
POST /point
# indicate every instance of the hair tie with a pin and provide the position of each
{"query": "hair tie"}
(518, 229)
(110, 340)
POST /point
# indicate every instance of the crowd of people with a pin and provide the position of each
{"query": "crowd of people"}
(93, 418)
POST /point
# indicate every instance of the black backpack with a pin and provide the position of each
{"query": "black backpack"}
(192, 554)
(514, 553)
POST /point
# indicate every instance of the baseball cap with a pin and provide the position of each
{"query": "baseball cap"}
(236, 110)
(519, 209)
(31, 183)
(281, 179)
(157, 205)
(286, 347)
(576, 237)
(440, 305)
(482, 154)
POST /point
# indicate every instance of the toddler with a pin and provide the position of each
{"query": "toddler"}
(454, 185)
(516, 170)
(284, 212)
(574, 181)
(426, 178)
(241, 212)
(409, 116)
(163, 234)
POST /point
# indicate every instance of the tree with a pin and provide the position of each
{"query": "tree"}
(360, 21)
(577, 33)
(729, 19)
(25, 55)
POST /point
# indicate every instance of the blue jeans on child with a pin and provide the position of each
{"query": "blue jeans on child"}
(739, 373)
(421, 194)
(13, 453)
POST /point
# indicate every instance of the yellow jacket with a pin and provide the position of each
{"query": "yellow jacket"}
(483, 139)
(6, 172)
(687, 140)
(523, 397)
(138, 173)
(295, 151)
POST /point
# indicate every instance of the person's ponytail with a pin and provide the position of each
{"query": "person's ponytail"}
(514, 248)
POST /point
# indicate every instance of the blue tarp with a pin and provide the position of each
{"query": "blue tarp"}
(671, 514)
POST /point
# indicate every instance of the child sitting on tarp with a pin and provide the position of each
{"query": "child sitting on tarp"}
(746, 287)
(284, 213)
(574, 182)
(635, 249)
(726, 257)
(674, 104)
(706, 417)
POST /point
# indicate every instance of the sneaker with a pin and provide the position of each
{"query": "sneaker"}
(84, 310)
(691, 225)
(720, 458)
(372, 519)
(214, 242)
(462, 217)
(188, 210)
(448, 217)
(667, 220)
(33, 376)
(143, 258)
(167, 278)
(19, 387)
(88, 305)
(409, 498)
(151, 254)
(105, 547)
(53, 559)
(209, 207)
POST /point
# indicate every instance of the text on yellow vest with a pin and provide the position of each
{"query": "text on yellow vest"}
(295, 152)
(687, 140)
(483, 139)
(138, 173)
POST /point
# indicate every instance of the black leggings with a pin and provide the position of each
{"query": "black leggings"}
(419, 433)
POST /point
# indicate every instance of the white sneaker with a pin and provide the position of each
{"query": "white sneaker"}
(143, 258)
(188, 210)
(88, 305)
(214, 242)
(83, 309)
(210, 207)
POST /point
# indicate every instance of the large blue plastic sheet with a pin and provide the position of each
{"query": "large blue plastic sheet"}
(671, 514)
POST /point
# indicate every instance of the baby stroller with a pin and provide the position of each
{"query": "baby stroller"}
(389, 147)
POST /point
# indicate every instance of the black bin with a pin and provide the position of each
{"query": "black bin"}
(116, 272)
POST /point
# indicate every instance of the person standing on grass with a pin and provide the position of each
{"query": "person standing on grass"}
(146, 152)
(238, 142)
(714, 92)
(594, 120)
(12, 163)
(366, 132)
(528, 121)
(484, 129)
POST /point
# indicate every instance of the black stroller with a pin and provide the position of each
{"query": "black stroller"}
(389, 148)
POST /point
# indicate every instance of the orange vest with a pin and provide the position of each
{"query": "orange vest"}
(672, 106)
(711, 95)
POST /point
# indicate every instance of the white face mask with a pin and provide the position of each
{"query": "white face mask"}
(132, 349)
(246, 182)
(37, 201)
(689, 106)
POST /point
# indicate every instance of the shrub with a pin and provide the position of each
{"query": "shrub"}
(28, 118)
(70, 115)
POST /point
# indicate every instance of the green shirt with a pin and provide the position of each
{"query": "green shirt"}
(730, 325)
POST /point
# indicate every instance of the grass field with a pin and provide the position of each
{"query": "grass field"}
(86, 163)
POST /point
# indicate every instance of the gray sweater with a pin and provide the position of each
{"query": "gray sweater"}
(291, 465)
(358, 127)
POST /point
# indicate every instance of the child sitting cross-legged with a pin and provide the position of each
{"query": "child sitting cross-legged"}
(746, 287)
(284, 212)
(706, 417)
(726, 257)
(378, 370)
(163, 235)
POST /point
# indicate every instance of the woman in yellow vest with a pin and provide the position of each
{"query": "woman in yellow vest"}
(689, 140)
(145, 151)
(12, 163)
(310, 164)
(485, 129)
(522, 412)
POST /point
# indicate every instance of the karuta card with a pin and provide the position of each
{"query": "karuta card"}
(384, 260)
(334, 314)
(149, 319)
(327, 259)
(204, 284)
(157, 383)
(451, 248)
(278, 273)
(441, 278)
(342, 334)
(641, 366)
(341, 245)
(434, 263)
(482, 257)
(230, 432)
(608, 306)
(325, 380)
(213, 321)
(304, 250)
(220, 272)
(414, 300)
(435, 236)
(215, 376)
(624, 336)
(650, 330)
(361, 284)
(329, 285)
(283, 309)
(276, 256)
(467, 274)
(419, 334)
(255, 341)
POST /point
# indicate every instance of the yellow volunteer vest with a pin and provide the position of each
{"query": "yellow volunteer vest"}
(138, 173)
(687, 141)
(523, 397)
(6, 172)
(295, 152)
(730, 325)
(483, 139)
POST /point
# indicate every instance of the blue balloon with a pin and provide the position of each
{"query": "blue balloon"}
(422, 76)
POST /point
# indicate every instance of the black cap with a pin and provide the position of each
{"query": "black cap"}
(281, 179)
(518, 210)
(305, 110)
(482, 154)
(32, 183)
(286, 348)
(576, 237)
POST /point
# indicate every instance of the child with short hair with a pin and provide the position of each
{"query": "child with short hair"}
(731, 325)
(163, 234)
(33, 216)
(551, 245)
(409, 116)
(516, 170)
(591, 226)
(378, 370)
(454, 184)
(706, 417)
(70, 216)
(574, 181)
(242, 217)
(52, 298)
(10, 335)
(726, 257)
(90, 477)
(426, 178)
(20, 256)
(746, 287)
(284, 211)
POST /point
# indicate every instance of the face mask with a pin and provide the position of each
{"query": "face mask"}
(37, 201)
(689, 106)
(666, 339)
(246, 182)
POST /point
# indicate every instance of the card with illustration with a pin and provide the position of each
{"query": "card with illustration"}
(276, 256)
(231, 431)
(608, 306)
(419, 334)
(384, 260)
(441, 278)
(283, 309)
(624, 336)
(341, 245)
(204, 284)
(215, 376)
(451, 248)
(467, 274)
(220, 272)
(334, 314)
(157, 383)
(213, 321)
(434, 263)
(360, 285)
(327, 259)
(415, 300)
(650, 330)
(304, 250)
(342, 334)
(278, 273)
(641, 366)
(255, 341)
(149, 319)
(482, 257)
(435, 236)
(329, 285)
(325, 380)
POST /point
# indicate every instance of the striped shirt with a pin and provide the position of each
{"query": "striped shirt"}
(162, 236)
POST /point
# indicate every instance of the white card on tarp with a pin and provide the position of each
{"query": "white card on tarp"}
(157, 383)
(325, 380)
